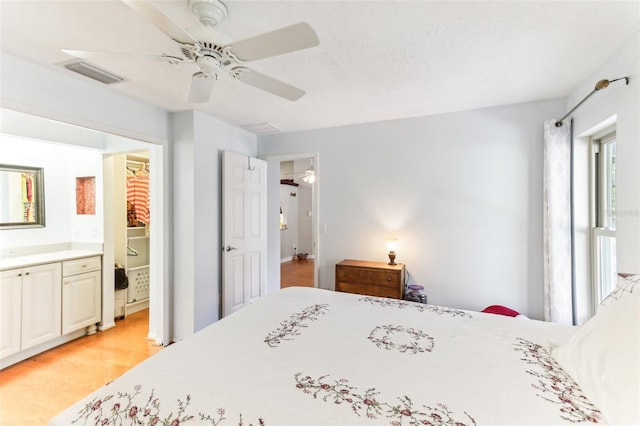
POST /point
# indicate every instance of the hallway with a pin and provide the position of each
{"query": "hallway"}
(297, 273)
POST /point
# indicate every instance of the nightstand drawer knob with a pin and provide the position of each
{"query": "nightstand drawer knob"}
(388, 278)
(345, 274)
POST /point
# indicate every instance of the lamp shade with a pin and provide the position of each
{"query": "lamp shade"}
(392, 244)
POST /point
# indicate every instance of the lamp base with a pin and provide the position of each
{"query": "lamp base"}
(392, 258)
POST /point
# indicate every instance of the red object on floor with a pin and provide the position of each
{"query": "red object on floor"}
(501, 310)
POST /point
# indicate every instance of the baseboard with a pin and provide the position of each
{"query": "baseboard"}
(28, 353)
(290, 258)
(131, 308)
(103, 327)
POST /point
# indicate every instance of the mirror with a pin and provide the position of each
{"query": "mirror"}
(21, 197)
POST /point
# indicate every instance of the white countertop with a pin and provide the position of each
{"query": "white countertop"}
(40, 258)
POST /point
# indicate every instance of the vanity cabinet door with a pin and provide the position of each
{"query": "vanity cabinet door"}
(10, 312)
(41, 304)
(81, 301)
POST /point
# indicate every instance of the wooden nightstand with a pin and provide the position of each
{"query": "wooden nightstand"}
(370, 278)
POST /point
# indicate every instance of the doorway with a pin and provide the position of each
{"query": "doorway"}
(84, 136)
(132, 230)
(298, 242)
(133, 239)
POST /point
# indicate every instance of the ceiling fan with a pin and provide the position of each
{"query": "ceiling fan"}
(211, 58)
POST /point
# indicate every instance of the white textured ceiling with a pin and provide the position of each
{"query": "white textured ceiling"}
(377, 60)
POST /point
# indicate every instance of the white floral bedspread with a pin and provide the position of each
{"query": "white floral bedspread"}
(316, 357)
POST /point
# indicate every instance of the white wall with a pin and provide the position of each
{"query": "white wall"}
(304, 199)
(623, 102)
(273, 226)
(191, 203)
(618, 105)
(70, 98)
(62, 164)
(305, 225)
(462, 192)
(66, 106)
(198, 143)
(289, 236)
(212, 138)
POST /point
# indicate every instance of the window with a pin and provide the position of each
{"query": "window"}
(604, 215)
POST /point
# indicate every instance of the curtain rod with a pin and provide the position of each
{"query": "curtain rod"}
(602, 84)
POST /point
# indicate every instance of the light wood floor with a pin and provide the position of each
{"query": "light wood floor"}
(296, 273)
(36, 389)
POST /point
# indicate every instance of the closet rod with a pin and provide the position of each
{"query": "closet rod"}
(602, 84)
(141, 165)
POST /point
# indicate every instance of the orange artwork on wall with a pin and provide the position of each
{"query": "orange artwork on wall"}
(86, 195)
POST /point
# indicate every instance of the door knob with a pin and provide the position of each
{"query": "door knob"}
(229, 248)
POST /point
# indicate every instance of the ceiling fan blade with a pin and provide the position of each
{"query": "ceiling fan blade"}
(155, 16)
(201, 87)
(285, 40)
(89, 54)
(271, 85)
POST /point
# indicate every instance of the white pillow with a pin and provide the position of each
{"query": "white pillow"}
(623, 285)
(603, 356)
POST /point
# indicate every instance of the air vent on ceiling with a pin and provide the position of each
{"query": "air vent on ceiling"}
(92, 71)
(261, 128)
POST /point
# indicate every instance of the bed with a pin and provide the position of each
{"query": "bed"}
(306, 356)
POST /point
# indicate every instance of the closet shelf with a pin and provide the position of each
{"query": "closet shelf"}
(143, 237)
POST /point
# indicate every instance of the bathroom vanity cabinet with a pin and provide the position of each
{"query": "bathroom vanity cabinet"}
(30, 307)
(81, 294)
(47, 300)
(10, 313)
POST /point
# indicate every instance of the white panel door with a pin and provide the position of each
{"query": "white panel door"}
(10, 312)
(41, 304)
(244, 231)
(81, 301)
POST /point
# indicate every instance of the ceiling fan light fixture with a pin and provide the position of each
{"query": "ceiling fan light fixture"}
(210, 12)
(208, 64)
(309, 175)
(201, 87)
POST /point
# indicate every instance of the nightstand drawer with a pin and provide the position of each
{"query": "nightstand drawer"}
(368, 276)
(369, 290)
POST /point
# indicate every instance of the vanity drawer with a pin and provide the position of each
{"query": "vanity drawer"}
(79, 266)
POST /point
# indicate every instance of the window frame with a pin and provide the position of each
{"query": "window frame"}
(602, 216)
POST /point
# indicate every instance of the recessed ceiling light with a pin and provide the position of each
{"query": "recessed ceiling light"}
(261, 128)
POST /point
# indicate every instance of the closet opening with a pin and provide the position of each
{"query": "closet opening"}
(132, 236)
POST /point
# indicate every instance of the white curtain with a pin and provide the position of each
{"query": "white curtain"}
(558, 305)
